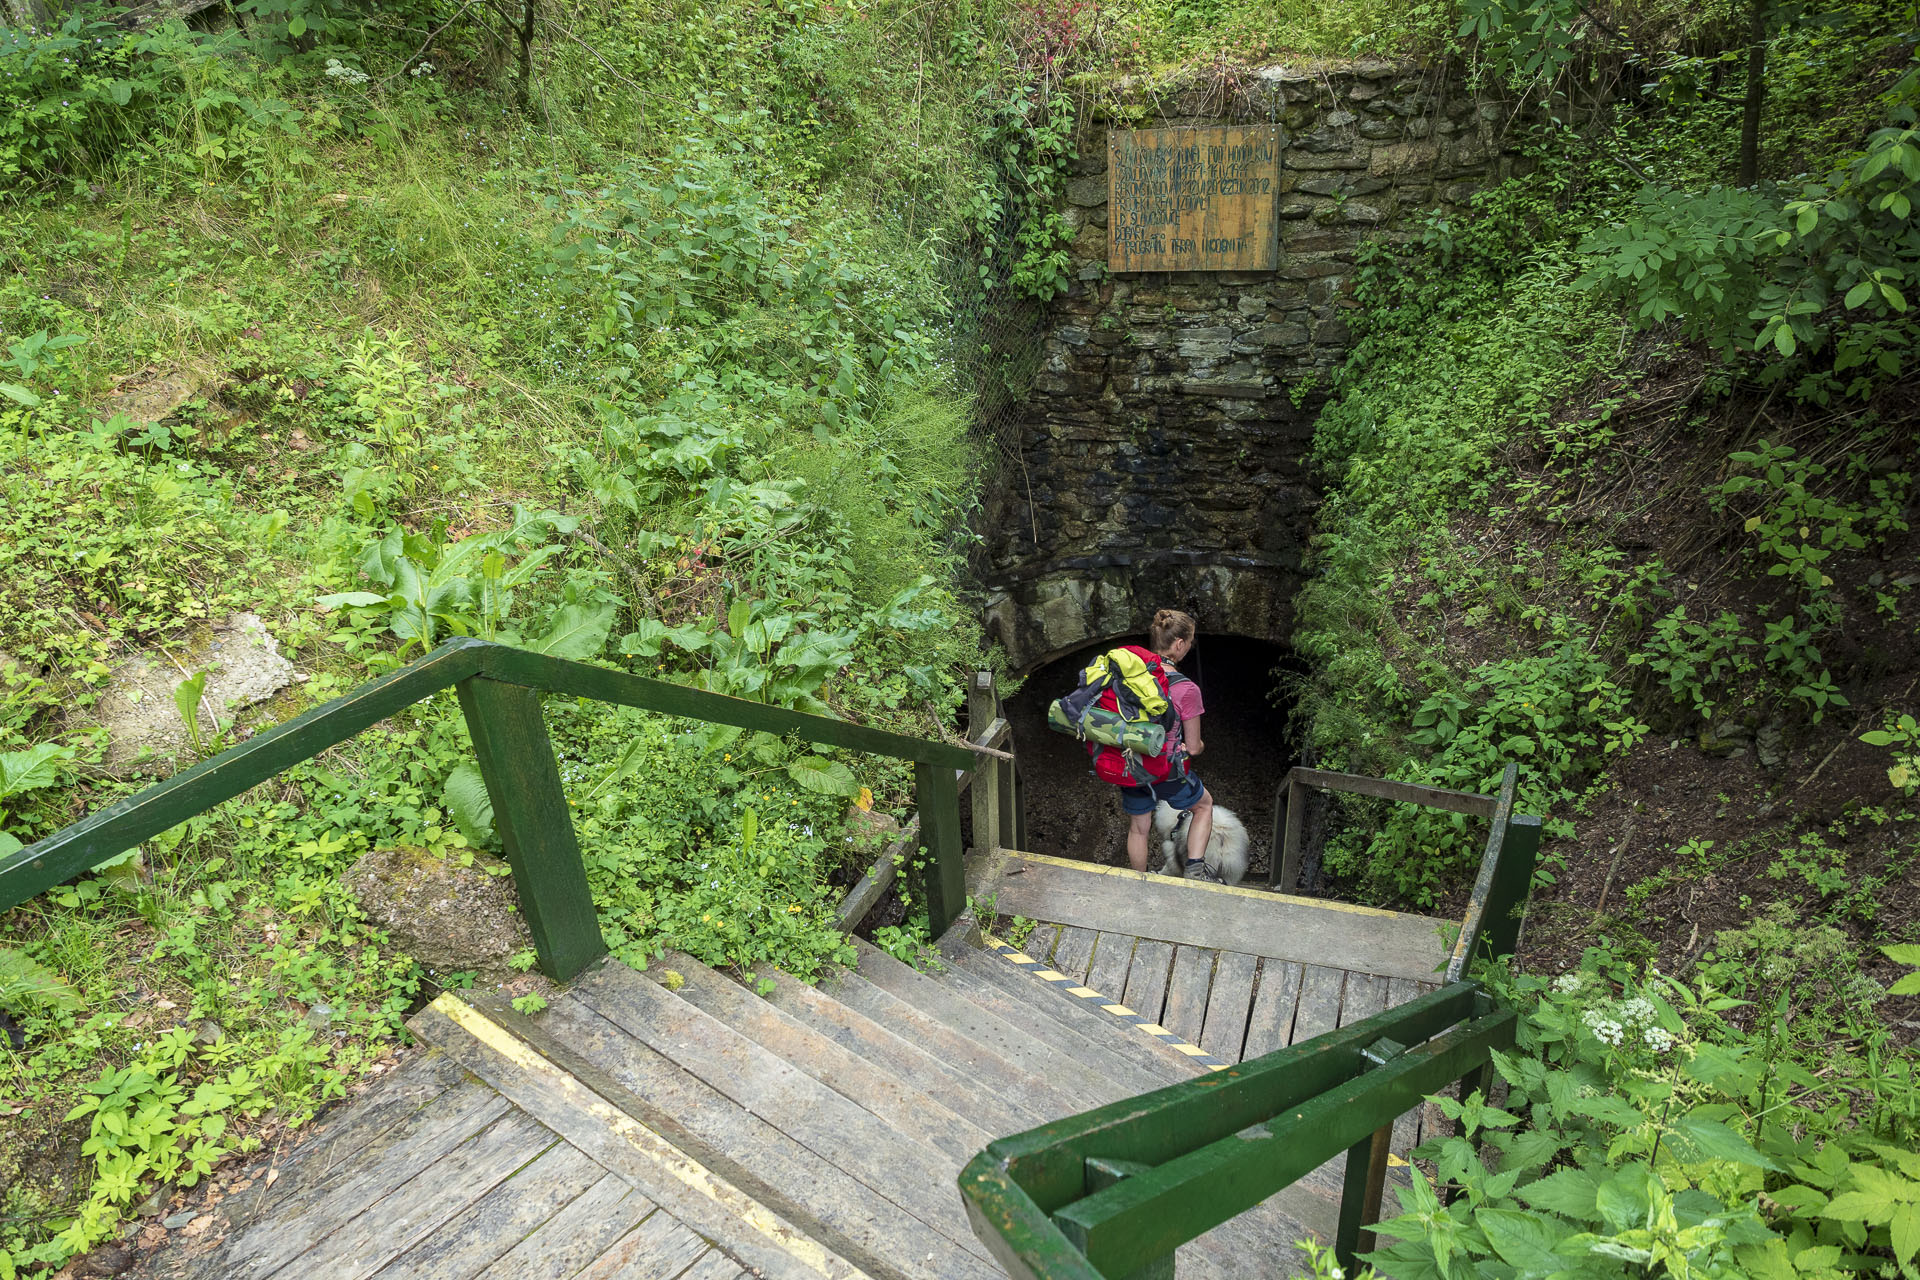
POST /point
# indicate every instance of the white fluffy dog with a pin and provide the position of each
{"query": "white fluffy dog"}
(1226, 848)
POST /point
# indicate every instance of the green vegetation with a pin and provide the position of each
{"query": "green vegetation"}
(304, 317)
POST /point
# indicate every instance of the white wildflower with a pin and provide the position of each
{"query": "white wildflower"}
(1605, 1029)
(1658, 1039)
(1637, 1012)
(1567, 983)
(421, 69)
(339, 70)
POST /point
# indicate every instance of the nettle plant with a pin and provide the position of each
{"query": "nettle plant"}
(1642, 1134)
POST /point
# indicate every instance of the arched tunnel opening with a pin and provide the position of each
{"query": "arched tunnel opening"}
(1247, 729)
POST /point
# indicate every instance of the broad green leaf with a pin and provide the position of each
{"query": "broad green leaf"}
(1715, 1141)
(645, 640)
(29, 770)
(1859, 293)
(1904, 1230)
(9, 844)
(469, 804)
(1860, 1206)
(24, 980)
(1524, 1239)
(825, 777)
(1569, 1192)
(350, 600)
(1902, 953)
(1818, 1258)
(579, 632)
(297, 26)
(19, 395)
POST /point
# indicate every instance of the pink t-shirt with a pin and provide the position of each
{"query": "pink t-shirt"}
(1185, 696)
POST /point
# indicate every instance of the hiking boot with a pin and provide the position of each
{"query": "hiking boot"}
(1199, 870)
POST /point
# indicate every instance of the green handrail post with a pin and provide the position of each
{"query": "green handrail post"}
(1500, 934)
(530, 810)
(1366, 1173)
(938, 795)
(1103, 1173)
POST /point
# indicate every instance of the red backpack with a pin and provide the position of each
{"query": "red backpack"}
(1119, 751)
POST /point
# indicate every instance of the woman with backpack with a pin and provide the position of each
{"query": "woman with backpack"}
(1171, 636)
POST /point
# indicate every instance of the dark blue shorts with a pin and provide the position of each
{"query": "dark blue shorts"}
(1182, 795)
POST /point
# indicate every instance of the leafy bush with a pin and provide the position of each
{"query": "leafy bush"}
(1644, 1133)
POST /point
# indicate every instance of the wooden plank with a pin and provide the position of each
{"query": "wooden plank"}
(309, 1217)
(1365, 996)
(1477, 806)
(1074, 953)
(438, 1193)
(657, 1249)
(1112, 956)
(1186, 1011)
(1104, 1043)
(942, 1003)
(861, 898)
(983, 726)
(715, 1265)
(500, 1219)
(1041, 942)
(565, 1243)
(1146, 992)
(1220, 918)
(672, 1163)
(1285, 872)
(910, 1174)
(1319, 1011)
(1483, 885)
(909, 1111)
(985, 1102)
(1193, 199)
(1270, 1025)
(954, 1044)
(1228, 1005)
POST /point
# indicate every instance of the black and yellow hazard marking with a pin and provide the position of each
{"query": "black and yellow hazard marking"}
(1066, 983)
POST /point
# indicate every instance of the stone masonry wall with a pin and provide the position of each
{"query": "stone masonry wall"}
(1165, 438)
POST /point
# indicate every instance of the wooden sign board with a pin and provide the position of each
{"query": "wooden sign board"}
(1193, 199)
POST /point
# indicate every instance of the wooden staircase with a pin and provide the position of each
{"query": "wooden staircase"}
(673, 1124)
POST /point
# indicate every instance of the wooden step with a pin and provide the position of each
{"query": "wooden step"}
(918, 1178)
(981, 1097)
(1153, 1059)
(1027, 1009)
(1216, 917)
(878, 1090)
(856, 1223)
(940, 1001)
(500, 1047)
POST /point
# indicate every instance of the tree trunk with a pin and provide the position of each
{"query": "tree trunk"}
(1756, 94)
(524, 93)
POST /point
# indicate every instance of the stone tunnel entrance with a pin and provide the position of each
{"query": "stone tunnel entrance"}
(1249, 745)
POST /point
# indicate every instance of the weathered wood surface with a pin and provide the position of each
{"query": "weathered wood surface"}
(1154, 1063)
(562, 1246)
(1146, 992)
(649, 1148)
(1186, 1011)
(1215, 917)
(1270, 1025)
(1074, 952)
(880, 1091)
(1112, 957)
(1193, 199)
(748, 1152)
(491, 1225)
(1466, 802)
(1229, 1005)
(825, 1122)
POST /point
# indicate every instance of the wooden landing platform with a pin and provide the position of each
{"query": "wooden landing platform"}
(1239, 972)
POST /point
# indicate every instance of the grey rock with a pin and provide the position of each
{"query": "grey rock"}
(244, 667)
(1770, 745)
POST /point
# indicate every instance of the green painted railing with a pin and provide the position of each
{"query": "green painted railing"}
(500, 690)
(1110, 1194)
